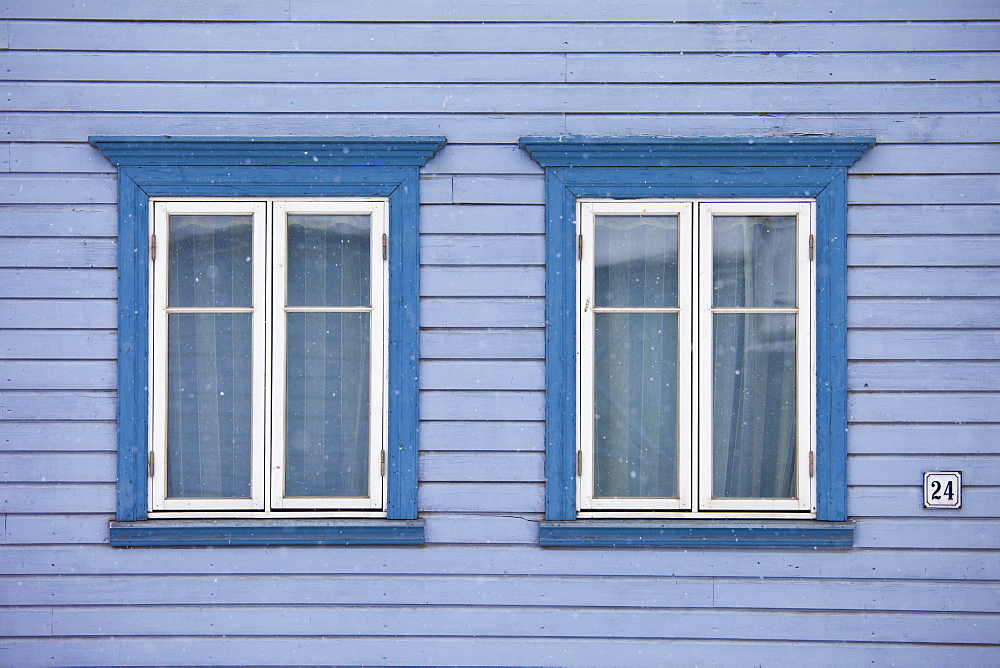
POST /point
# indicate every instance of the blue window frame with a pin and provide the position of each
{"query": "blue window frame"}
(268, 167)
(583, 168)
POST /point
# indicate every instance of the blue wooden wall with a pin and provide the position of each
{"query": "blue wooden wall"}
(919, 587)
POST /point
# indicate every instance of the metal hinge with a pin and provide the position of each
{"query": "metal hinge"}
(812, 247)
(579, 463)
(150, 464)
(382, 464)
(579, 247)
(385, 247)
(152, 247)
(812, 464)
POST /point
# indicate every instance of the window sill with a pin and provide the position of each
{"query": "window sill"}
(183, 533)
(697, 533)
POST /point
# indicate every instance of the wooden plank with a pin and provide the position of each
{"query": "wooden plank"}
(469, 405)
(488, 11)
(57, 530)
(289, 67)
(924, 282)
(927, 439)
(191, 10)
(475, 375)
(928, 534)
(472, 344)
(482, 281)
(847, 595)
(507, 189)
(500, 38)
(71, 252)
(482, 467)
(923, 407)
(343, 590)
(513, 622)
(57, 189)
(926, 127)
(889, 502)
(58, 220)
(857, 564)
(926, 376)
(55, 405)
(923, 251)
(499, 98)
(482, 249)
(923, 159)
(977, 470)
(780, 67)
(57, 467)
(924, 219)
(57, 436)
(484, 159)
(482, 219)
(58, 314)
(25, 622)
(58, 283)
(924, 313)
(459, 529)
(436, 189)
(58, 375)
(481, 436)
(64, 498)
(471, 497)
(493, 312)
(51, 157)
(460, 650)
(57, 344)
(921, 189)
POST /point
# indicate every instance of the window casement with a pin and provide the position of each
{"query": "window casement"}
(268, 357)
(695, 345)
(696, 350)
(268, 339)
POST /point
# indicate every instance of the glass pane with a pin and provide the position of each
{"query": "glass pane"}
(753, 261)
(327, 409)
(209, 405)
(635, 261)
(635, 405)
(211, 260)
(753, 397)
(328, 260)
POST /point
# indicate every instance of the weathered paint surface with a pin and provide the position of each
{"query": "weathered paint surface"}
(919, 587)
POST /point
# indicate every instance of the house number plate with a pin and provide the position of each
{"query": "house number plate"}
(942, 489)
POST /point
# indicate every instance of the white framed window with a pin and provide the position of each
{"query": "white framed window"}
(268, 362)
(696, 350)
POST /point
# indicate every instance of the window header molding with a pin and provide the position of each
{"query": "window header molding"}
(696, 152)
(268, 151)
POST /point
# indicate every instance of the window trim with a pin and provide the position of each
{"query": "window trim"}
(697, 168)
(246, 167)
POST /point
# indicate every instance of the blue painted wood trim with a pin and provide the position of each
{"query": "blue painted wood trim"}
(258, 151)
(193, 170)
(831, 350)
(641, 175)
(695, 151)
(697, 534)
(133, 344)
(177, 533)
(560, 350)
(404, 350)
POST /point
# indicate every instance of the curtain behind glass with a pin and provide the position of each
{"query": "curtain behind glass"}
(327, 390)
(753, 385)
(635, 357)
(209, 357)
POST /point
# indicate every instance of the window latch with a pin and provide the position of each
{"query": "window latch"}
(385, 247)
(579, 463)
(812, 247)
(382, 464)
(150, 464)
(152, 247)
(579, 246)
(812, 464)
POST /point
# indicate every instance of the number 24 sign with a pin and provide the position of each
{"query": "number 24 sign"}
(942, 489)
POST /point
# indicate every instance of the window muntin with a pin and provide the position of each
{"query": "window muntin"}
(291, 296)
(679, 341)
